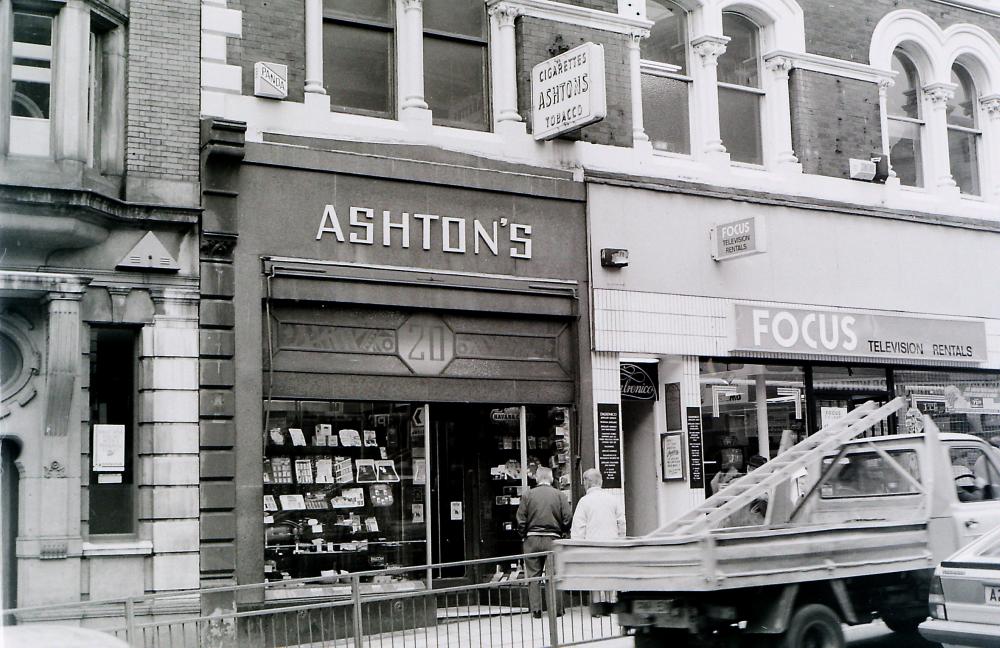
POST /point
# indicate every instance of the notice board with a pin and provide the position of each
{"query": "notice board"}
(696, 469)
(609, 446)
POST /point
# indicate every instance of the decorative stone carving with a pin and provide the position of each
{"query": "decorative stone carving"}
(780, 65)
(991, 105)
(939, 94)
(710, 48)
(218, 246)
(504, 14)
(54, 470)
(53, 550)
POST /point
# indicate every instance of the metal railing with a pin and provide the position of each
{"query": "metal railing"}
(462, 604)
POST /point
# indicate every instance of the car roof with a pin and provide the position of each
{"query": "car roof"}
(891, 438)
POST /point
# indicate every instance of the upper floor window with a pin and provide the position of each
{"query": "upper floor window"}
(31, 89)
(963, 132)
(665, 80)
(740, 92)
(905, 122)
(358, 55)
(455, 54)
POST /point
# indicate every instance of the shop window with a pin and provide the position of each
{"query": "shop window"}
(344, 487)
(837, 390)
(747, 410)
(963, 402)
(868, 474)
(964, 135)
(31, 89)
(905, 122)
(358, 55)
(740, 93)
(455, 62)
(976, 477)
(665, 80)
(111, 490)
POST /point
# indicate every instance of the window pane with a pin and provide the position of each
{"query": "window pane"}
(665, 113)
(962, 152)
(958, 401)
(455, 82)
(739, 65)
(667, 42)
(903, 97)
(962, 107)
(861, 474)
(30, 100)
(466, 17)
(377, 10)
(904, 152)
(32, 28)
(739, 124)
(356, 67)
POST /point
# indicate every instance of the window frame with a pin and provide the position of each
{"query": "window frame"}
(976, 131)
(36, 144)
(391, 28)
(760, 92)
(920, 121)
(659, 69)
(483, 42)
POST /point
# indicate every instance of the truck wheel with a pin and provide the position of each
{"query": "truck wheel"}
(903, 625)
(662, 638)
(813, 626)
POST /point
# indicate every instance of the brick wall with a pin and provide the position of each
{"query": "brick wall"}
(274, 31)
(163, 89)
(833, 120)
(843, 29)
(538, 40)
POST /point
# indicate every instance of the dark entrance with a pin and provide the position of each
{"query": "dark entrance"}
(9, 452)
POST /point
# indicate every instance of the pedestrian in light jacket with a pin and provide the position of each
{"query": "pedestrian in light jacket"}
(599, 516)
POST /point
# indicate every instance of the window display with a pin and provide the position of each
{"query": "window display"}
(343, 488)
(965, 402)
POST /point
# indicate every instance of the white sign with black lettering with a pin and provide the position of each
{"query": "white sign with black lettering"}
(568, 91)
(270, 80)
(738, 238)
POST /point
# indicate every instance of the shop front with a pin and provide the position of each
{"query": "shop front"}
(760, 330)
(412, 337)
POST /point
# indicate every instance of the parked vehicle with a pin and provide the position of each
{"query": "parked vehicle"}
(853, 527)
(965, 596)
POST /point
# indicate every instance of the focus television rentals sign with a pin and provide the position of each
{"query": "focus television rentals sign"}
(846, 333)
(568, 91)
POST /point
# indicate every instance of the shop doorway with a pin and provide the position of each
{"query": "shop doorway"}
(838, 390)
(639, 436)
(9, 452)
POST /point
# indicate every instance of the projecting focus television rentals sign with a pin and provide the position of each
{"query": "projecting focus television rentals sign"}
(568, 91)
(846, 333)
(738, 238)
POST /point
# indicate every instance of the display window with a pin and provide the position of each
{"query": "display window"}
(344, 488)
(355, 486)
(957, 401)
(749, 413)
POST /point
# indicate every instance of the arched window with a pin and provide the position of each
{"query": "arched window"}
(963, 132)
(740, 90)
(904, 122)
(665, 80)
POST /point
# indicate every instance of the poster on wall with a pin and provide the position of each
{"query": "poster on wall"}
(671, 457)
(109, 448)
(609, 447)
(672, 402)
(696, 472)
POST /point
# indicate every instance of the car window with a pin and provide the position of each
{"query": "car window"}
(975, 473)
(861, 474)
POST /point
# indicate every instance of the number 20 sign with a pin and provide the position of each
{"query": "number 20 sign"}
(426, 344)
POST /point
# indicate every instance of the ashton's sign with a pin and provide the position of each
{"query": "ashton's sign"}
(568, 91)
(844, 333)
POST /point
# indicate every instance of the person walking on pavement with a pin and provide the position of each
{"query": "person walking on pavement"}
(543, 516)
(599, 516)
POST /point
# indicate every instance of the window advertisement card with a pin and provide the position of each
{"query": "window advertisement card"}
(417, 511)
(366, 471)
(108, 452)
(385, 471)
(371, 440)
(298, 438)
(292, 502)
(324, 470)
(350, 498)
(419, 472)
(343, 470)
(349, 438)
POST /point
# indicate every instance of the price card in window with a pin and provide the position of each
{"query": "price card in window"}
(108, 451)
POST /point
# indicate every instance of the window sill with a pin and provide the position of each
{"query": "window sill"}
(118, 548)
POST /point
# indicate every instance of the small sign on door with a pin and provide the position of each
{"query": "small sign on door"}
(456, 510)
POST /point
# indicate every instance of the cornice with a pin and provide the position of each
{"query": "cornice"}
(94, 205)
(833, 66)
(580, 16)
(988, 7)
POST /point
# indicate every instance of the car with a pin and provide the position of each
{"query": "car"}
(965, 596)
(56, 636)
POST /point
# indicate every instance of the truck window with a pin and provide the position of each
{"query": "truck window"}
(976, 475)
(867, 474)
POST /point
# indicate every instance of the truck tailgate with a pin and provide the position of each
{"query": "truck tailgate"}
(729, 559)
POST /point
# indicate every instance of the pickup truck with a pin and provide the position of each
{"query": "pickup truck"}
(853, 529)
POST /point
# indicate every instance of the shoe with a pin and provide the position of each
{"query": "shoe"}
(537, 614)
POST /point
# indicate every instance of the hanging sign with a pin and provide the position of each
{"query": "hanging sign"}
(846, 333)
(108, 452)
(696, 470)
(638, 381)
(609, 447)
(738, 238)
(568, 91)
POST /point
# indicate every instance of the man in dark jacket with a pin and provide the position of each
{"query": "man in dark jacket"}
(543, 516)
